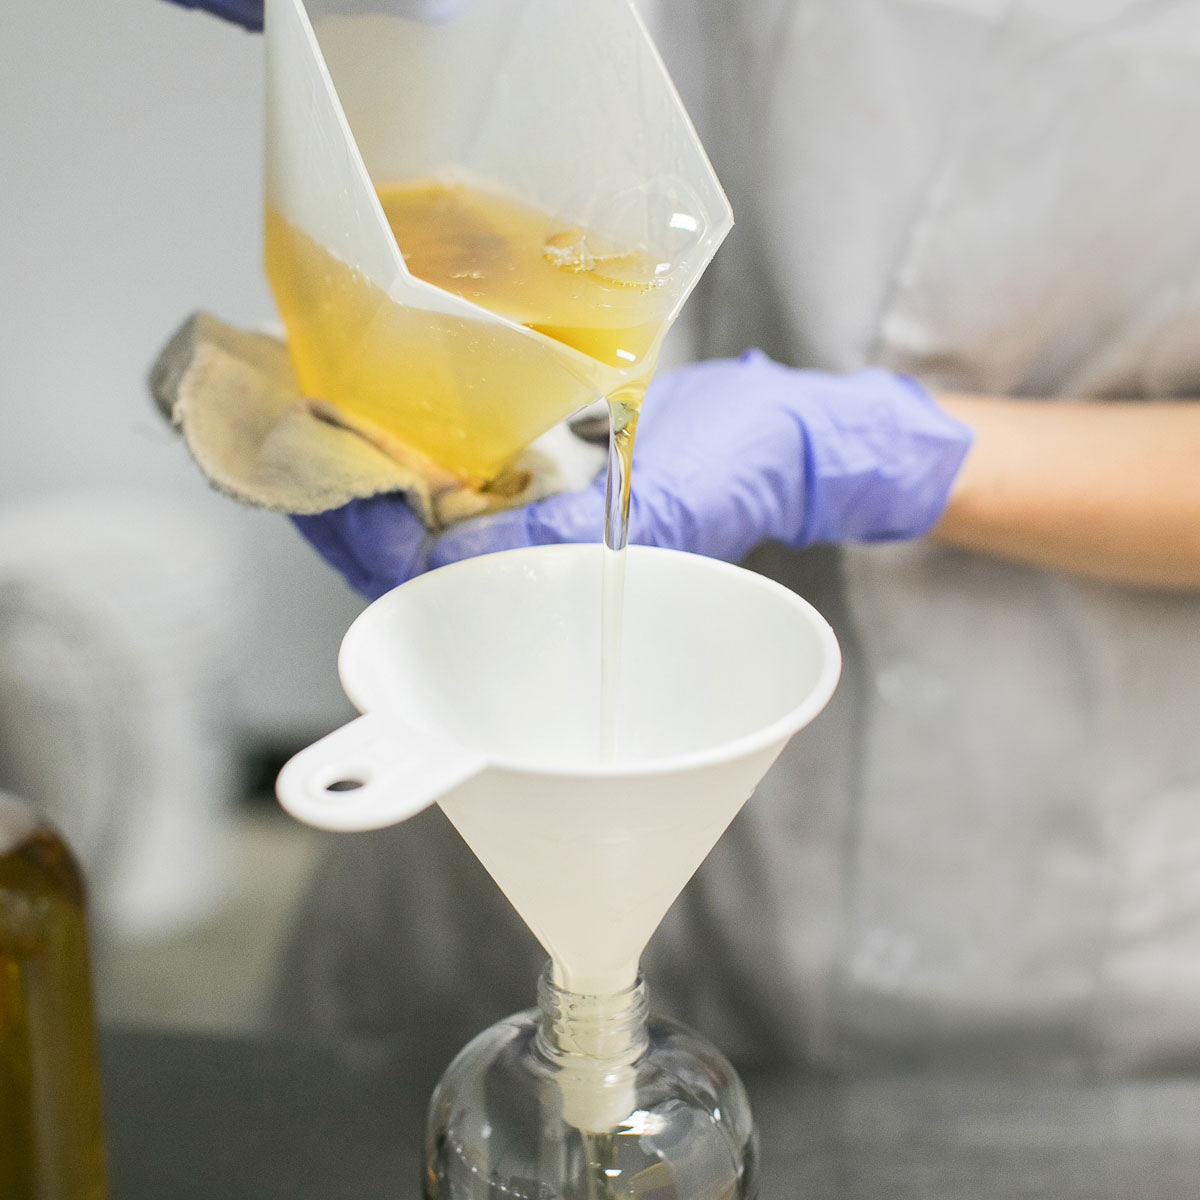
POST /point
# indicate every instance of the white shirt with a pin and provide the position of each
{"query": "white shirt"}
(991, 843)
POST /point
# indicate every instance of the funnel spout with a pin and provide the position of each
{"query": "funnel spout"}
(592, 863)
(595, 982)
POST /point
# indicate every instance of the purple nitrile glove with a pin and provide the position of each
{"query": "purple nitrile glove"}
(728, 454)
(247, 13)
(375, 543)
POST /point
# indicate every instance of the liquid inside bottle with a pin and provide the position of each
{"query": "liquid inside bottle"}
(51, 1137)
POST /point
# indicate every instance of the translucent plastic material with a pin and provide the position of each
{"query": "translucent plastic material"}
(586, 1099)
(481, 689)
(563, 109)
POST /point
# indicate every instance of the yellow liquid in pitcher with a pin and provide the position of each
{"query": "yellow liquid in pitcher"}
(465, 392)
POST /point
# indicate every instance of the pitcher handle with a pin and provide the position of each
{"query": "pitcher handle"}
(373, 771)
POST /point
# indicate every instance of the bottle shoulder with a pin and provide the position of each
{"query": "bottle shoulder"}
(674, 1060)
(33, 858)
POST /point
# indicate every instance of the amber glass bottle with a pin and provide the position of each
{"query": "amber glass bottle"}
(51, 1139)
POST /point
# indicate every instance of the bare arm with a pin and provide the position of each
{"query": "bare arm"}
(1107, 489)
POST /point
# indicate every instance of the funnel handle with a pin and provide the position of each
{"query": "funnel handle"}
(372, 772)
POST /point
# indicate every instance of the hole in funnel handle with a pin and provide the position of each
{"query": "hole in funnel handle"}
(345, 785)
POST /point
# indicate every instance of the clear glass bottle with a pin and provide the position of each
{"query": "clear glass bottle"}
(590, 1098)
(51, 1137)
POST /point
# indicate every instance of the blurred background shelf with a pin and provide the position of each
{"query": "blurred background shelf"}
(215, 975)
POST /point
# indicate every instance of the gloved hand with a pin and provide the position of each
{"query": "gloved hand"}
(249, 13)
(729, 453)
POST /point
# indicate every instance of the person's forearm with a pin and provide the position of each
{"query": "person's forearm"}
(1107, 489)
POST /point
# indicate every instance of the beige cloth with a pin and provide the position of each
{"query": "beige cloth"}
(235, 398)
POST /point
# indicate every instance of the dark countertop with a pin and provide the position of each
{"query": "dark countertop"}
(200, 1118)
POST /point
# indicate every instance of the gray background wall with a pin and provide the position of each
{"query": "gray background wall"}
(130, 194)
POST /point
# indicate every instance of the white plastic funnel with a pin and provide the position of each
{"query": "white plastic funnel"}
(480, 688)
(563, 105)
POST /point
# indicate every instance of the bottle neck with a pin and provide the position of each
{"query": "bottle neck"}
(607, 1030)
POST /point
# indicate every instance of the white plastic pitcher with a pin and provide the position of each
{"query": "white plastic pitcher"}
(480, 689)
(562, 104)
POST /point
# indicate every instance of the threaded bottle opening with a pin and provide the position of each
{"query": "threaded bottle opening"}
(609, 1029)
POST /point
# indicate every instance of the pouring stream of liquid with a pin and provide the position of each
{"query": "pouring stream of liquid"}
(623, 409)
